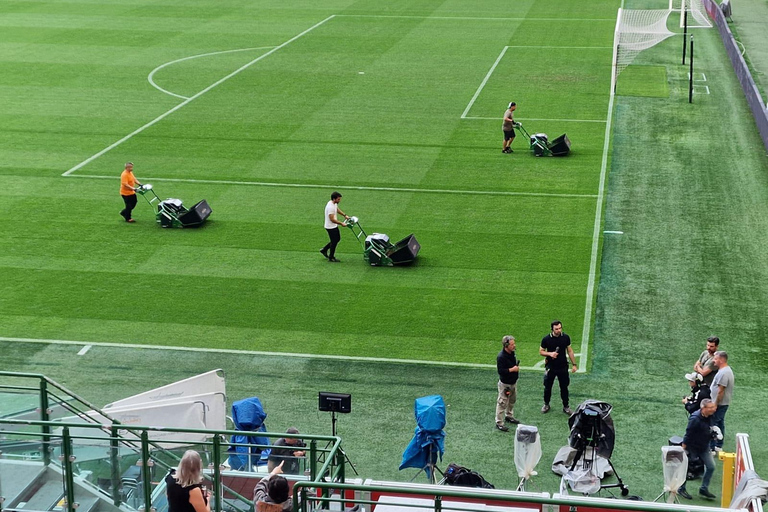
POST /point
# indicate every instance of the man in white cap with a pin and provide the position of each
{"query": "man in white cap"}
(508, 127)
(699, 391)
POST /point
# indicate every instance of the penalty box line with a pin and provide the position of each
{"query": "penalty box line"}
(501, 56)
(294, 355)
(192, 98)
(353, 187)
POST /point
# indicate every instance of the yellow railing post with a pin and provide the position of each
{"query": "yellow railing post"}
(729, 465)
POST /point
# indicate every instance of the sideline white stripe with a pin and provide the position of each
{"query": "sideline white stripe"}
(259, 353)
(479, 18)
(596, 232)
(613, 232)
(351, 187)
(161, 66)
(84, 350)
(540, 119)
(192, 98)
(485, 81)
(562, 47)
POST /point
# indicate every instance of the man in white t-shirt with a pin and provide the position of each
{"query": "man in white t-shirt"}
(332, 226)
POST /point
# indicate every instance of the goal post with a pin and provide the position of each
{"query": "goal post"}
(636, 30)
(693, 10)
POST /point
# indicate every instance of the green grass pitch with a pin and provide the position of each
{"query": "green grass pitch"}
(396, 103)
(405, 104)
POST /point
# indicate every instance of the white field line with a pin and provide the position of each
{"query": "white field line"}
(192, 98)
(351, 187)
(498, 59)
(611, 232)
(562, 47)
(478, 18)
(596, 233)
(498, 118)
(255, 353)
(158, 68)
(84, 350)
(485, 81)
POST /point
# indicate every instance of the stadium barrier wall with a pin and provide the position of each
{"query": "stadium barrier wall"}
(755, 100)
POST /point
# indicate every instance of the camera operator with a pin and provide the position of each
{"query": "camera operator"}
(699, 391)
(289, 450)
(509, 368)
(696, 443)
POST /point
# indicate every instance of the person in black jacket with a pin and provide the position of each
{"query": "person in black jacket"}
(699, 391)
(509, 368)
(696, 443)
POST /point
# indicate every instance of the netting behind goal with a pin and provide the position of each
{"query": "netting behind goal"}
(637, 30)
(697, 16)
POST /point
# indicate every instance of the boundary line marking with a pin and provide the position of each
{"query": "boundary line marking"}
(354, 187)
(161, 66)
(485, 81)
(596, 231)
(561, 47)
(538, 119)
(478, 18)
(255, 353)
(192, 98)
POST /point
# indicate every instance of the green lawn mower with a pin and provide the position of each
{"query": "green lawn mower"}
(542, 146)
(171, 213)
(379, 251)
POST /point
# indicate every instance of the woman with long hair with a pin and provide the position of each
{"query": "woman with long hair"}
(184, 486)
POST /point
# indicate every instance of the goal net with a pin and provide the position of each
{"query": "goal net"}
(637, 30)
(697, 16)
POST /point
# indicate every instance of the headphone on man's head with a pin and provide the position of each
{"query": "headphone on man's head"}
(506, 340)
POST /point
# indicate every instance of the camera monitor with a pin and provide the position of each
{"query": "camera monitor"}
(334, 402)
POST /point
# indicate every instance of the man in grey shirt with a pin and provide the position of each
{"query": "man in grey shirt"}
(705, 365)
(722, 391)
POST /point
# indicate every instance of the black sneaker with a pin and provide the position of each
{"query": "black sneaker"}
(705, 492)
(545, 409)
(333, 260)
(567, 410)
(683, 493)
(324, 253)
(503, 428)
(510, 419)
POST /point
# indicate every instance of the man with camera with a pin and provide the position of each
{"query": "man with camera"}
(288, 449)
(696, 442)
(699, 391)
(509, 369)
(554, 347)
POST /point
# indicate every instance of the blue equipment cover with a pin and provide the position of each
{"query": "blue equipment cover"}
(248, 415)
(428, 443)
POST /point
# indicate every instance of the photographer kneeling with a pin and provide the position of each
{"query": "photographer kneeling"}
(696, 442)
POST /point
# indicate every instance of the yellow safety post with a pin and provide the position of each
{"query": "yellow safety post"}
(729, 465)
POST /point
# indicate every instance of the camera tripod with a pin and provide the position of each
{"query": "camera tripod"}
(591, 440)
(430, 467)
(347, 460)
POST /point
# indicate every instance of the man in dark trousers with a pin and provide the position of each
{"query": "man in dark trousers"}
(508, 367)
(696, 443)
(332, 227)
(554, 347)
